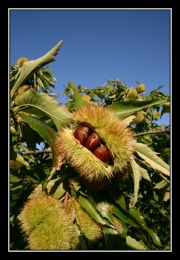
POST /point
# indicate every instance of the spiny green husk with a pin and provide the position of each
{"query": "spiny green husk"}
(46, 225)
(112, 131)
(21, 60)
(132, 93)
(90, 228)
(139, 118)
(141, 88)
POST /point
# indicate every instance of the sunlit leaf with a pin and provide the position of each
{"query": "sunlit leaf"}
(151, 158)
(128, 120)
(57, 187)
(30, 67)
(153, 235)
(166, 196)
(78, 99)
(144, 173)
(123, 109)
(134, 244)
(15, 165)
(160, 184)
(40, 104)
(136, 214)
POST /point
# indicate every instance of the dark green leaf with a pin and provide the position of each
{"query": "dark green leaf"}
(46, 132)
(123, 109)
(87, 203)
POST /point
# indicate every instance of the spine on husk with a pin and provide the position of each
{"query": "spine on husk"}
(106, 153)
(46, 225)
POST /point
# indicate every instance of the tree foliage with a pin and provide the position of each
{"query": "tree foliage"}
(131, 213)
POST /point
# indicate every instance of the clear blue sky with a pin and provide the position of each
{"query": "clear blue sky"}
(98, 44)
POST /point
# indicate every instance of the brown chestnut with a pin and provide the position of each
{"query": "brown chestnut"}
(82, 132)
(102, 153)
(93, 141)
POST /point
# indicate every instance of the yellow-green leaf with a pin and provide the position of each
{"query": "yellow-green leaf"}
(40, 104)
(134, 244)
(30, 67)
(128, 120)
(78, 99)
(137, 174)
(151, 158)
(144, 174)
(160, 184)
(17, 157)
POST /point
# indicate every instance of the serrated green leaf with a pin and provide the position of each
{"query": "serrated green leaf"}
(87, 203)
(151, 158)
(119, 198)
(14, 178)
(17, 157)
(154, 237)
(79, 102)
(166, 196)
(136, 174)
(123, 109)
(46, 132)
(30, 67)
(128, 120)
(124, 216)
(75, 183)
(124, 228)
(15, 165)
(104, 209)
(134, 244)
(41, 104)
(136, 214)
(160, 185)
(144, 173)
(57, 187)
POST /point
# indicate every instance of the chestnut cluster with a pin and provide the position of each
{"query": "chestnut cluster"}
(91, 140)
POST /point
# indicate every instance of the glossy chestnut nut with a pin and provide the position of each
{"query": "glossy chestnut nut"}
(82, 132)
(102, 153)
(93, 141)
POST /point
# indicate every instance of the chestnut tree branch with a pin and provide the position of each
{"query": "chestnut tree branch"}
(35, 152)
(153, 132)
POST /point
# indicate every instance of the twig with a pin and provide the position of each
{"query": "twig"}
(35, 152)
(66, 200)
(153, 132)
(163, 177)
